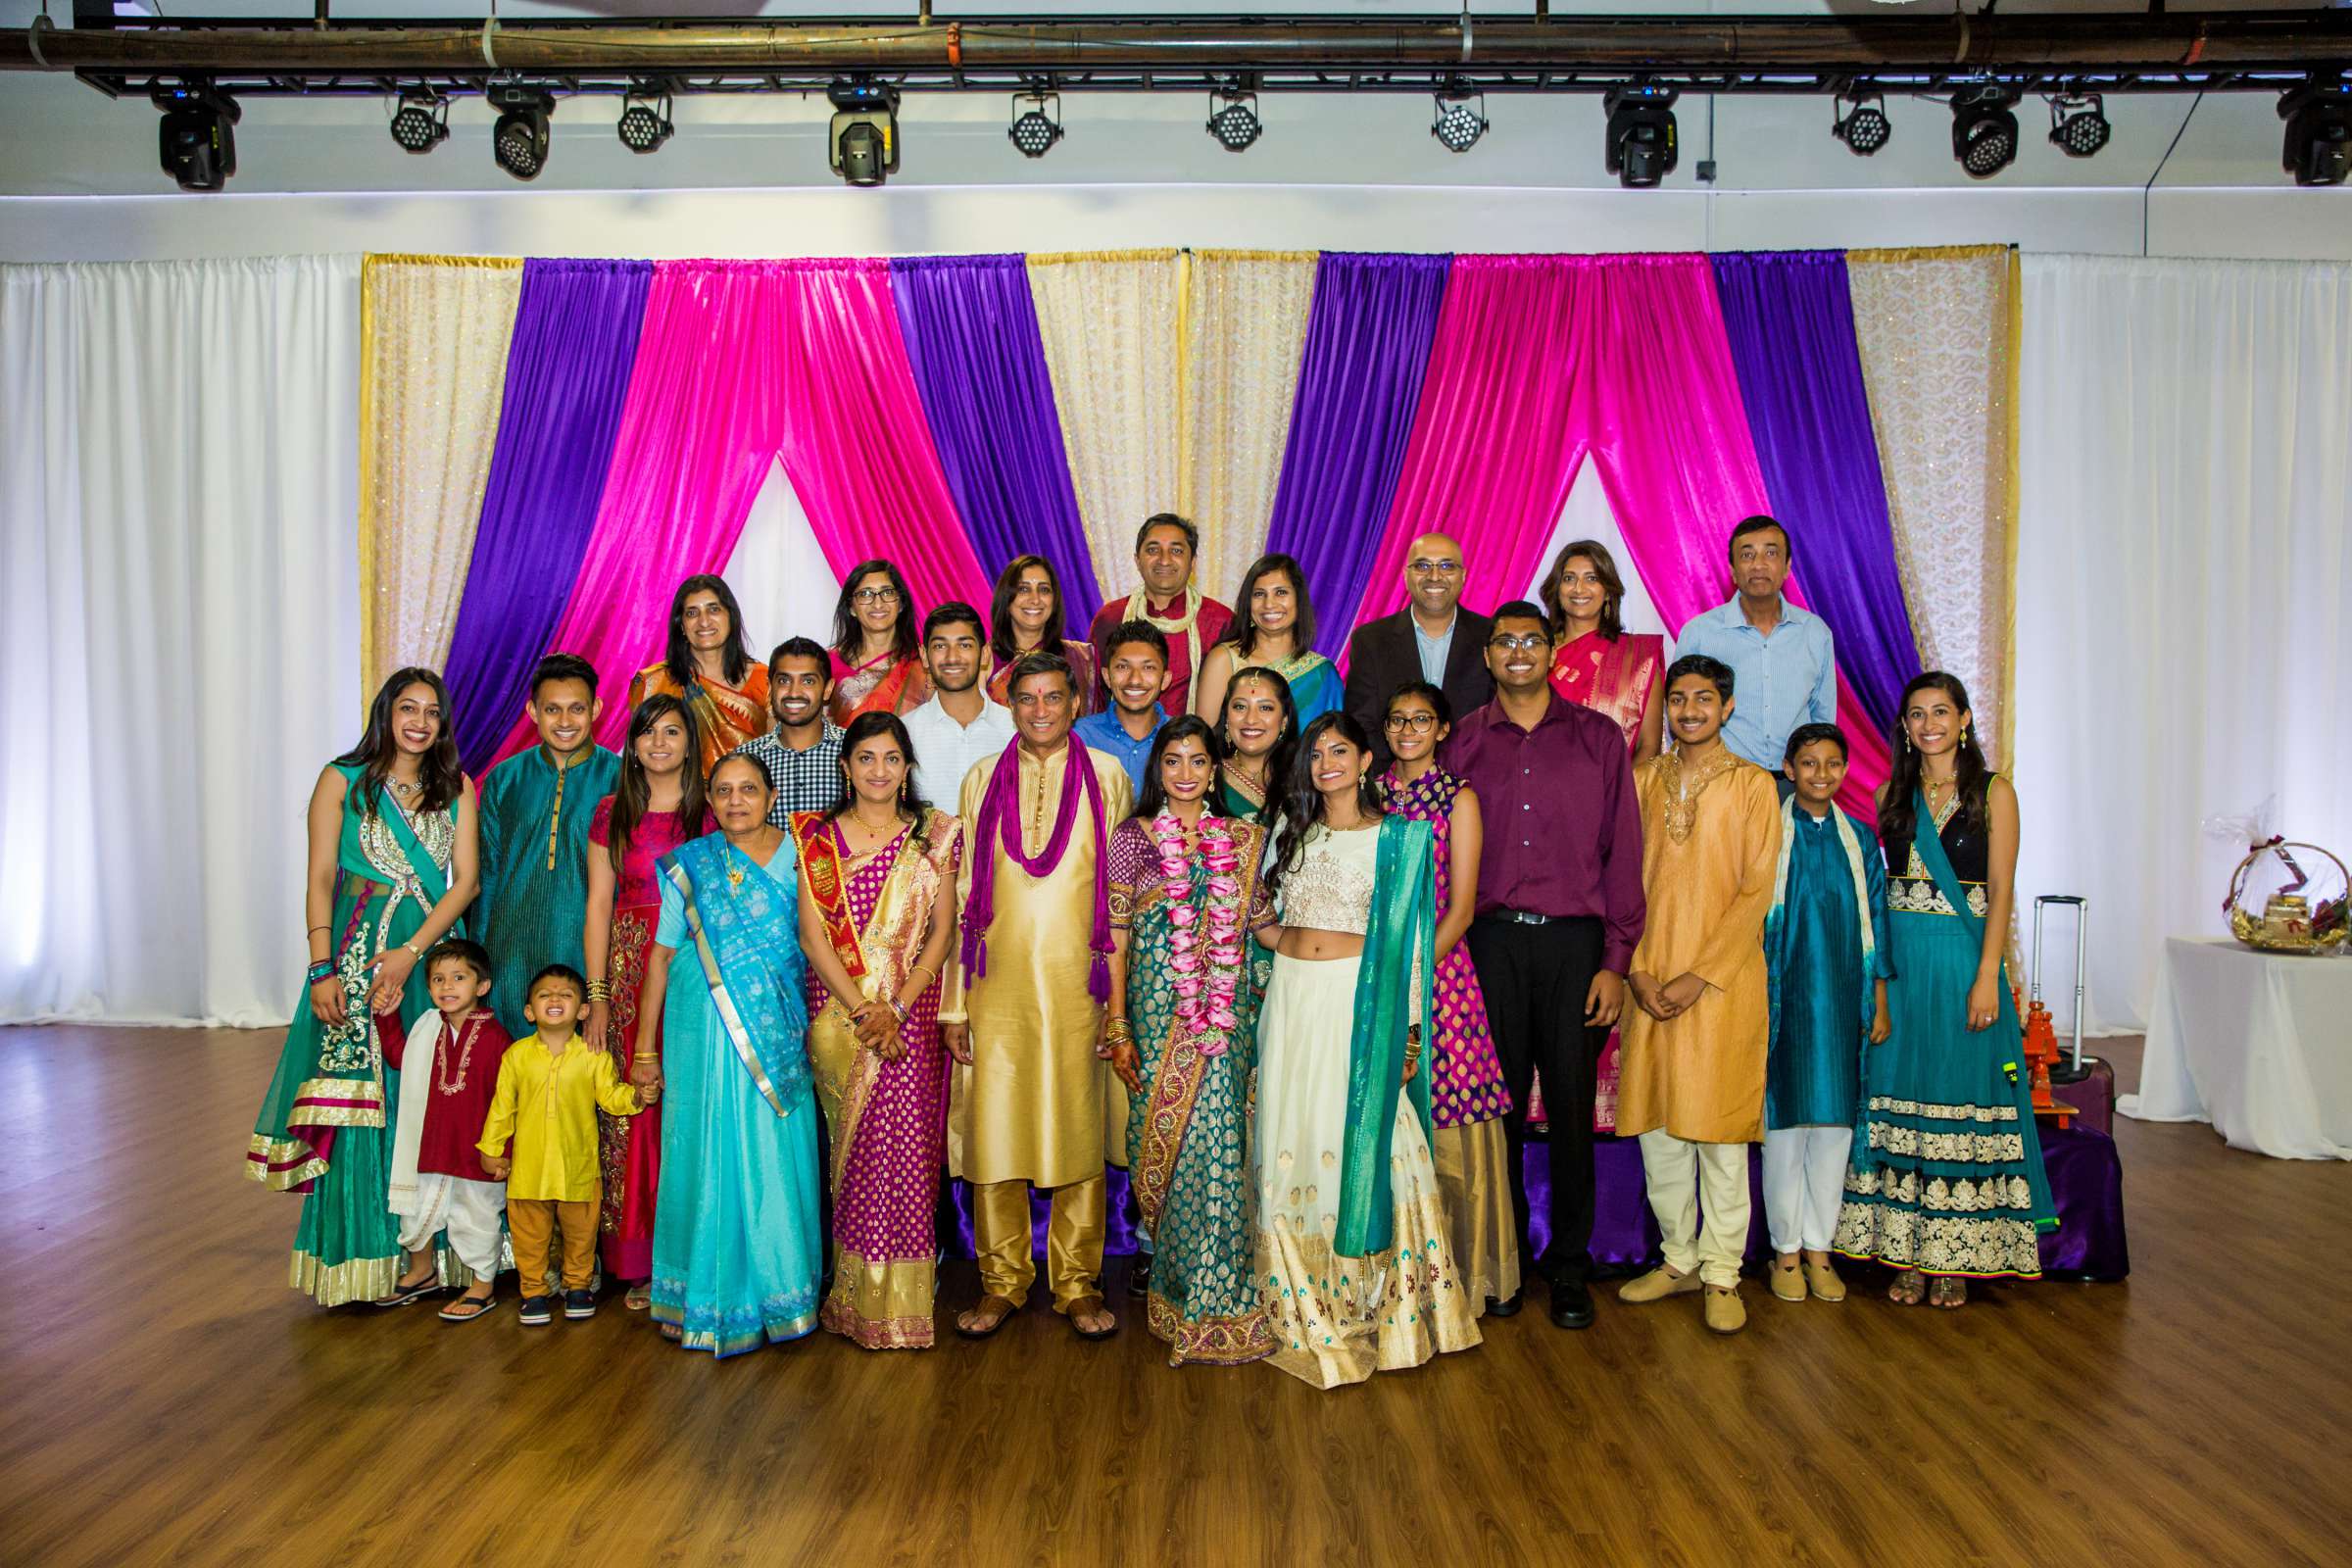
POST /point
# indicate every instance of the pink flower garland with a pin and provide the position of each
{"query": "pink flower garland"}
(1207, 973)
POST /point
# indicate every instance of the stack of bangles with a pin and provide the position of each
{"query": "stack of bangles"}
(324, 969)
(1118, 1032)
(600, 991)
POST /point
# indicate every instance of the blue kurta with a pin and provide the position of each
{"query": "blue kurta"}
(1814, 1071)
(531, 911)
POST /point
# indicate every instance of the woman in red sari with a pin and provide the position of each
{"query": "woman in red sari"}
(877, 653)
(657, 807)
(1025, 617)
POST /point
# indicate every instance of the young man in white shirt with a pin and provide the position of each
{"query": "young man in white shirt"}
(958, 725)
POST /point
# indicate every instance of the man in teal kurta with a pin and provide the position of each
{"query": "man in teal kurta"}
(536, 807)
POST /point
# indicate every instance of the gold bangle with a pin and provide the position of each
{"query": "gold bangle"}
(647, 1056)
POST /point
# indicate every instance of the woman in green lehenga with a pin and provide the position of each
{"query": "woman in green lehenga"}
(1185, 902)
(393, 850)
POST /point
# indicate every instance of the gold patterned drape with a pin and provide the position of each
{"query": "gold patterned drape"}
(1108, 320)
(1938, 330)
(433, 335)
(1245, 330)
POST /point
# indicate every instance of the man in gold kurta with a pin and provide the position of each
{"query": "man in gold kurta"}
(1691, 1062)
(1030, 1106)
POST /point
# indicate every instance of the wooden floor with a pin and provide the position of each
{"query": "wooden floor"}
(164, 1398)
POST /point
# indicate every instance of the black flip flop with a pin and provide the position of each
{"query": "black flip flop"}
(481, 1304)
(403, 1295)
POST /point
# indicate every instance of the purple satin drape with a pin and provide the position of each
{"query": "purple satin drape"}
(1792, 328)
(1368, 339)
(971, 334)
(568, 371)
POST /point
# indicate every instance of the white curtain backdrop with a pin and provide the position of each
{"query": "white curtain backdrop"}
(2184, 589)
(178, 626)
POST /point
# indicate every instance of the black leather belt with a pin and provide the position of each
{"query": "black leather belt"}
(1522, 917)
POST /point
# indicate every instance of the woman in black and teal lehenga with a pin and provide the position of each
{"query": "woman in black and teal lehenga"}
(393, 863)
(1948, 1181)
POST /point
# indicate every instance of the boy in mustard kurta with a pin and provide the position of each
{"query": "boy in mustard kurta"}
(549, 1087)
(1691, 1062)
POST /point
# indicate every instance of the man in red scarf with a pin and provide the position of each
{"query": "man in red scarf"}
(1170, 598)
(1021, 1006)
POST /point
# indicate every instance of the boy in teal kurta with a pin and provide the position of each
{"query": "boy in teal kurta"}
(536, 808)
(1825, 944)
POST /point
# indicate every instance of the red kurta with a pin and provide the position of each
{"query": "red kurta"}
(460, 1077)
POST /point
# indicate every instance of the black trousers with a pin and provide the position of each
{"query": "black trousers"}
(1534, 978)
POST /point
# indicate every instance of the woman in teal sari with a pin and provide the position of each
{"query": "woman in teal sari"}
(1352, 1256)
(1947, 1182)
(1274, 627)
(722, 1032)
(393, 861)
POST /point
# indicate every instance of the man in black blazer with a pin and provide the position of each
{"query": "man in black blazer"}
(1433, 633)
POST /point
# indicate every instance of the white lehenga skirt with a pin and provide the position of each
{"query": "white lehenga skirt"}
(1338, 1319)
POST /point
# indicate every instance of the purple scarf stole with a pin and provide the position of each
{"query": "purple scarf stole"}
(999, 822)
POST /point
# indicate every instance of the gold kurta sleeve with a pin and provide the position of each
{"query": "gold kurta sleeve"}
(1700, 1075)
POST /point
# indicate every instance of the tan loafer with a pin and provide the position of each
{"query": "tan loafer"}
(1787, 1280)
(1823, 1280)
(1657, 1285)
(1726, 1312)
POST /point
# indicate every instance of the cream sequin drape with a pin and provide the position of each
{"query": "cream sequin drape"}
(1244, 316)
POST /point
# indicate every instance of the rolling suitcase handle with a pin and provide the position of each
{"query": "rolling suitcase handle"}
(2072, 1071)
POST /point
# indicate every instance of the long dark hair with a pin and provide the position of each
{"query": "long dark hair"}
(441, 777)
(1242, 631)
(1303, 804)
(1278, 760)
(633, 795)
(1612, 587)
(864, 727)
(1899, 818)
(734, 658)
(1000, 611)
(849, 635)
(1152, 798)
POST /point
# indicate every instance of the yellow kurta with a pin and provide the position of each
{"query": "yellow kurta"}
(1035, 1104)
(1706, 874)
(548, 1104)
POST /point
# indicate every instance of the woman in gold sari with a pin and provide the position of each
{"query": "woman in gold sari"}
(877, 915)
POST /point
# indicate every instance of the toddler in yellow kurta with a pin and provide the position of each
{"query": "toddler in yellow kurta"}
(549, 1087)
(1691, 1062)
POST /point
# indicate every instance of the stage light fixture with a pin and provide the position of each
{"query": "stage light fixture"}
(1861, 121)
(519, 142)
(422, 122)
(1458, 126)
(1641, 147)
(2318, 150)
(644, 123)
(863, 146)
(1236, 126)
(196, 141)
(1983, 129)
(1036, 128)
(2079, 124)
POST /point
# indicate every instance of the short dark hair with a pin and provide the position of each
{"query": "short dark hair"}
(954, 612)
(1805, 735)
(1168, 520)
(801, 648)
(558, 971)
(563, 666)
(1136, 631)
(1757, 525)
(1045, 662)
(1520, 609)
(470, 953)
(1714, 672)
(1434, 696)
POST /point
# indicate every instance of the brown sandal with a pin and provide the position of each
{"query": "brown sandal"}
(1005, 1310)
(1910, 1288)
(1088, 1306)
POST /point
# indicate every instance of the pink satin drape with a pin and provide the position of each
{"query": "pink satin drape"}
(740, 364)
(1542, 360)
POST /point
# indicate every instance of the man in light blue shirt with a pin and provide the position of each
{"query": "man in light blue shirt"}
(1783, 662)
(1134, 671)
(958, 726)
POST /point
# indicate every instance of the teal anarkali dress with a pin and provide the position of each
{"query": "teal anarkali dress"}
(534, 901)
(326, 1126)
(738, 1246)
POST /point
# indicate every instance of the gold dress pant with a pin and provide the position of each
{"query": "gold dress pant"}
(1001, 1238)
(532, 1221)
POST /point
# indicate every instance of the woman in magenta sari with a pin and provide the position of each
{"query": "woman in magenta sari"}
(877, 915)
(877, 652)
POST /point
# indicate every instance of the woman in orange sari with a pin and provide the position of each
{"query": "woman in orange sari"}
(710, 669)
(877, 652)
(877, 915)
(1027, 615)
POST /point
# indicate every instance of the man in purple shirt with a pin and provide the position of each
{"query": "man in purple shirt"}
(1559, 910)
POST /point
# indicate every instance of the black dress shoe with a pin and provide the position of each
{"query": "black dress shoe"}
(1138, 1275)
(1506, 1307)
(1571, 1305)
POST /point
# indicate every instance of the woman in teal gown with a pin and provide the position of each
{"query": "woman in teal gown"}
(737, 1238)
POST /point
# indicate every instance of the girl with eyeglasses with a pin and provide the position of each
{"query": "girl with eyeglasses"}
(878, 650)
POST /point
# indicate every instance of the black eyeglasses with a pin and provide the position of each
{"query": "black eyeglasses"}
(1529, 639)
(1418, 724)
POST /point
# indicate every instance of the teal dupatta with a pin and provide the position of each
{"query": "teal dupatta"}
(746, 927)
(1928, 842)
(1394, 987)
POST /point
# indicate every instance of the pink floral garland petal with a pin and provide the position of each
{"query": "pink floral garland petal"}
(1206, 964)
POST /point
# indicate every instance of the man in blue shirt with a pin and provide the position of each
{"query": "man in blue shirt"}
(1135, 671)
(1781, 660)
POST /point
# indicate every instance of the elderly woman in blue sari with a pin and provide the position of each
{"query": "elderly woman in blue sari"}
(722, 1032)
(393, 864)
(1354, 1258)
